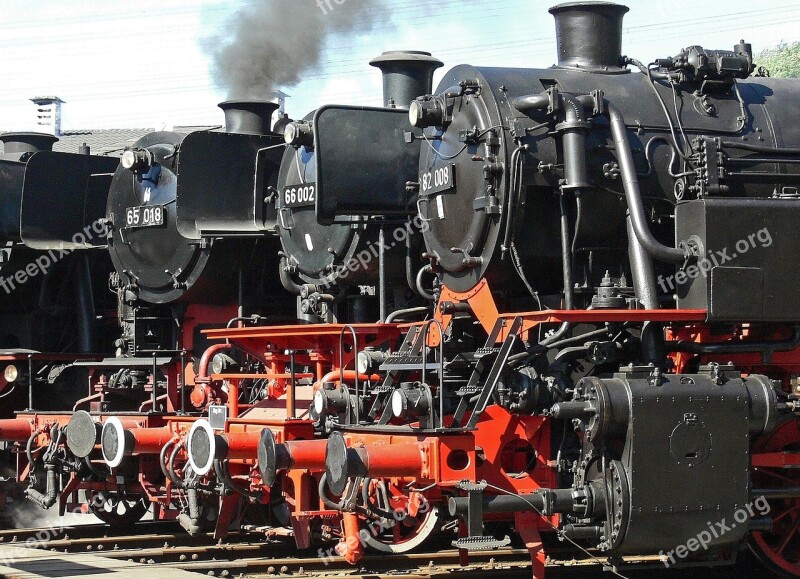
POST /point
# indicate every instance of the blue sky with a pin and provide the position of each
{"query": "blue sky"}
(143, 64)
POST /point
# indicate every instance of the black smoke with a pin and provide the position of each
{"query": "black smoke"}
(274, 42)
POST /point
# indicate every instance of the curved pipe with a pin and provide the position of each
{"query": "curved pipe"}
(407, 312)
(176, 480)
(208, 355)
(630, 181)
(633, 195)
(48, 499)
(286, 278)
(421, 290)
(335, 376)
(531, 102)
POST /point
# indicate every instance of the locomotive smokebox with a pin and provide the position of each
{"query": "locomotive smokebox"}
(249, 117)
(589, 35)
(407, 74)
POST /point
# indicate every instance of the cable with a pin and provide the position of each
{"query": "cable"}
(678, 117)
(560, 533)
(438, 154)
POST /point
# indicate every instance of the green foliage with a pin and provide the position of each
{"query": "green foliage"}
(782, 61)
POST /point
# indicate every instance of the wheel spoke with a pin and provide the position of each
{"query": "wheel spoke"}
(785, 512)
(788, 537)
(774, 474)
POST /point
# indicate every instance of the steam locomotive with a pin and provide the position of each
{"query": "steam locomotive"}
(602, 260)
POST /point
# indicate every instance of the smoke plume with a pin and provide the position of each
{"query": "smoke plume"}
(274, 43)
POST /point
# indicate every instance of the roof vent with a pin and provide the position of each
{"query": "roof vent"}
(48, 114)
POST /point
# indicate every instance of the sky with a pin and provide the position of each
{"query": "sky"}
(147, 64)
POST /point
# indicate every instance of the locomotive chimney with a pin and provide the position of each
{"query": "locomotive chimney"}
(589, 35)
(17, 144)
(249, 117)
(407, 74)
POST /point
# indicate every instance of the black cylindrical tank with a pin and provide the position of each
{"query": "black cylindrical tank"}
(343, 253)
(152, 258)
(483, 148)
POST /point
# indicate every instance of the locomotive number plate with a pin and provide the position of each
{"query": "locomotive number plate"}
(437, 180)
(146, 216)
(300, 195)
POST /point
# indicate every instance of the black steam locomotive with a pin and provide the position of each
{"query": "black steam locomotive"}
(602, 253)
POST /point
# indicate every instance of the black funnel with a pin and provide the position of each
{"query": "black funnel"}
(407, 74)
(589, 35)
(20, 143)
(249, 117)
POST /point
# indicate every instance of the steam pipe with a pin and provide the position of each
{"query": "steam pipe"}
(566, 257)
(573, 131)
(633, 195)
(286, 278)
(349, 376)
(206, 358)
(644, 277)
(390, 319)
(48, 499)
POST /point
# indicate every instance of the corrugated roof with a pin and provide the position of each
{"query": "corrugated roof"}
(110, 142)
(101, 142)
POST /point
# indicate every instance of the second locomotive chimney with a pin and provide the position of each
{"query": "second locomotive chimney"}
(249, 117)
(407, 74)
(589, 35)
(17, 144)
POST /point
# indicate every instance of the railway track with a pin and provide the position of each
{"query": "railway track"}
(163, 545)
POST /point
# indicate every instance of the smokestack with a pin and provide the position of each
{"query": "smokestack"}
(248, 117)
(48, 113)
(407, 74)
(17, 144)
(589, 35)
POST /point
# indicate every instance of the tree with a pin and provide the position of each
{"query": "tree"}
(782, 61)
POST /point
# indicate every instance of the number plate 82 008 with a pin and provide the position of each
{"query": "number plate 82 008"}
(437, 180)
